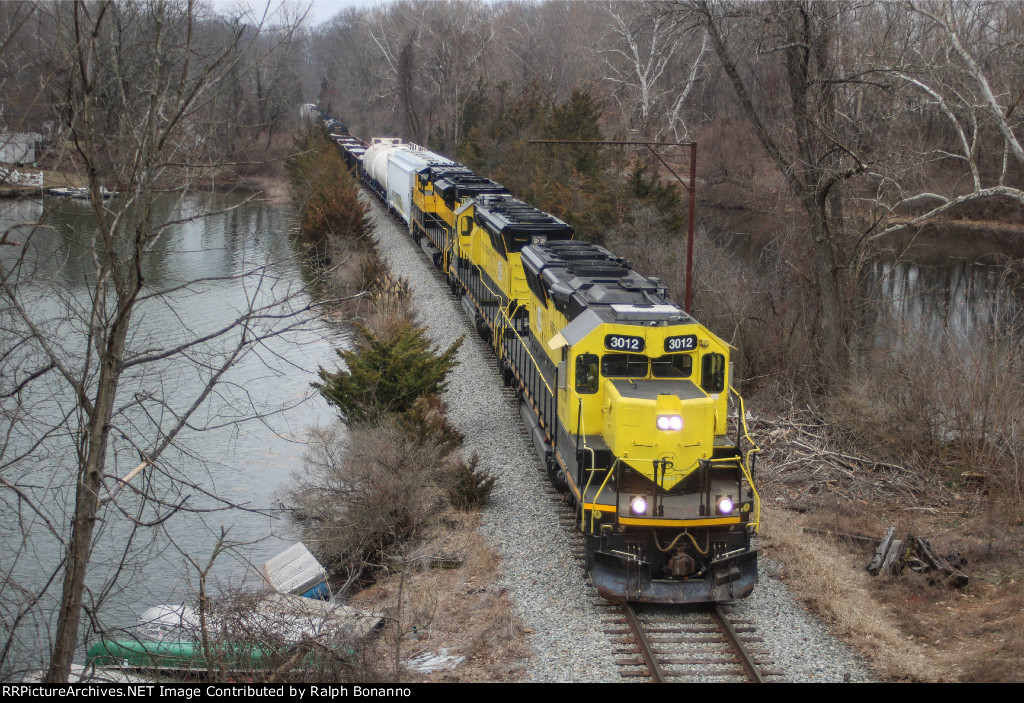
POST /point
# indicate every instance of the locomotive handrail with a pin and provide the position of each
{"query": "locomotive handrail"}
(581, 436)
(499, 297)
(526, 349)
(447, 260)
(582, 429)
(583, 502)
(744, 465)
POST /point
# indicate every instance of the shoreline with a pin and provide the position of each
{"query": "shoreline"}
(273, 186)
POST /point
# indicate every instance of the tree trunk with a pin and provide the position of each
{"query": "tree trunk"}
(834, 349)
(86, 507)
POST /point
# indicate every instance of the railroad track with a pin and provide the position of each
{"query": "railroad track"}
(667, 644)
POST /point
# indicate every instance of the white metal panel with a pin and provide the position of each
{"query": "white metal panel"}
(375, 160)
(294, 570)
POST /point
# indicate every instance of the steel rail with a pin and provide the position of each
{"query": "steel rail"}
(657, 675)
(746, 661)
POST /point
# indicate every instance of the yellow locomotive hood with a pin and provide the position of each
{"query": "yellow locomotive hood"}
(650, 422)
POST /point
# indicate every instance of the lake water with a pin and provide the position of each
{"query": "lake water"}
(956, 299)
(244, 462)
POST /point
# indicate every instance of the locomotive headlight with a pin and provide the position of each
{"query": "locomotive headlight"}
(638, 505)
(670, 423)
(725, 506)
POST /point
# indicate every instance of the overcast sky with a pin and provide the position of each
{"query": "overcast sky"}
(323, 10)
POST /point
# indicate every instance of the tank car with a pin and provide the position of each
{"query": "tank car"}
(390, 167)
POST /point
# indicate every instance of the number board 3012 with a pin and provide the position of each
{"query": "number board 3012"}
(624, 342)
(681, 343)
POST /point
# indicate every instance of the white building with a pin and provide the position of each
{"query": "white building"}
(19, 147)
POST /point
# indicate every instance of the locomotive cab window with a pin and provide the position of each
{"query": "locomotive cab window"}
(624, 366)
(712, 375)
(672, 366)
(467, 226)
(515, 241)
(587, 377)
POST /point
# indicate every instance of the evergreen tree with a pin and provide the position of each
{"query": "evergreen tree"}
(579, 119)
(325, 193)
(386, 375)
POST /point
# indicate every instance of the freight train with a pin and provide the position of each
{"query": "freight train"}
(626, 396)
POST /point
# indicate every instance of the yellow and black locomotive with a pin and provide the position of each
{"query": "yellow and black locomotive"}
(626, 396)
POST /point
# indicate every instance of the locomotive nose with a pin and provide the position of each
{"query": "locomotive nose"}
(647, 420)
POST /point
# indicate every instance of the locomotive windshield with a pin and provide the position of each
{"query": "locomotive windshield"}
(672, 366)
(624, 366)
(635, 366)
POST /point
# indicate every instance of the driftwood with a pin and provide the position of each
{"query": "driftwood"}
(916, 553)
(883, 548)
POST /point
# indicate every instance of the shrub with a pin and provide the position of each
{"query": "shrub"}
(324, 191)
(468, 486)
(426, 421)
(365, 492)
(386, 375)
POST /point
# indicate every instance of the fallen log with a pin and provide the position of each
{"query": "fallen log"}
(883, 548)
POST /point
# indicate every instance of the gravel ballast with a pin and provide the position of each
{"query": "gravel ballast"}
(553, 600)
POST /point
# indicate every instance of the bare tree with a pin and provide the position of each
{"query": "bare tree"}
(432, 59)
(640, 61)
(953, 74)
(828, 132)
(141, 102)
(851, 138)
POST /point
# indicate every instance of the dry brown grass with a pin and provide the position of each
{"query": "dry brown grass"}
(911, 627)
(836, 585)
(458, 609)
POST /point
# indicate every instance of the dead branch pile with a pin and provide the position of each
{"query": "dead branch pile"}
(803, 454)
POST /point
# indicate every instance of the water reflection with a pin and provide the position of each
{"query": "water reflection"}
(961, 299)
(196, 286)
